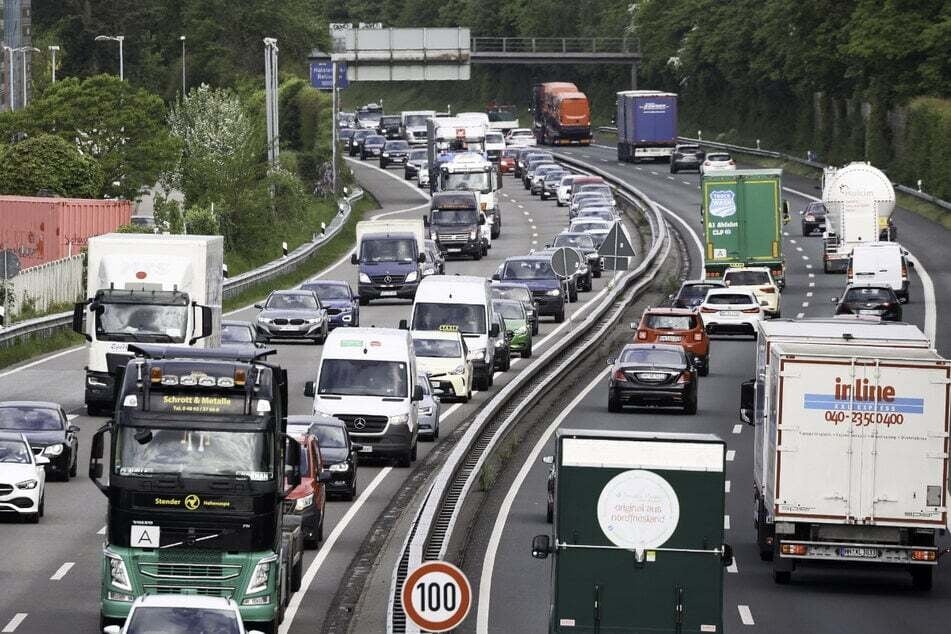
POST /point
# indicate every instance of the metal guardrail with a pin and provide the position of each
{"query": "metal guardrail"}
(428, 537)
(911, 191)
(49, 324)
(552, 45)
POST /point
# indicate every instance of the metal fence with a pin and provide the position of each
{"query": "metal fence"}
(39, 288)
(552, 45)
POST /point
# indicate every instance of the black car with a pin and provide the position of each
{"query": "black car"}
(692, 293)
(390, 126)
(394, 152)
(372, 146)
(522, 293)
(585, 243)
(503, 345)
(344, 135)
(415, 161)
(342, 304)
(549, 290)
(653, 374)
(813, 218)
(238, 333)
(48, 431)
(686, 156)
(355, 146)
(876, 301)
(337, 451)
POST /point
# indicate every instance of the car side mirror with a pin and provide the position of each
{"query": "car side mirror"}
(403, 325)
(727, 555)
(259, 306)
(802, 212)
(541, 546)
(481, 220)
(325, 475)
(548, 245)
(42, 461)
(292, 462)
(309, 390)
(354, 259)
(426, 220)
(496, 277)
(73, 429)
(421, 258)
(494, 330)
(548, 459)
(611, 361)
(747, 401)
(418, 393)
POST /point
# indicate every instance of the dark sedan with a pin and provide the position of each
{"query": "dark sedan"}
(372, 146)
(550, 183)
(692, 293)
(813, 218)
(686, 157)
(874, 301)
(394, 152)
(238, 333)
(343, 307)
(585, 243)
(48, 431)
(292, 315)
(522, 293)
(653, 374)
(355, 146)
(337, 451)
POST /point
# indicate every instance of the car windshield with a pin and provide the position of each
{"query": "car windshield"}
(725, 299)
(522, 133)
(30, 419)
(363, 377)
(519, 294)
(554, 175)
(330, 436)
(694, 291)
(582, 241)
(417, 155)
(689, 149)
(653, 356)
(868, 294)
(670, 322)
(595, 188)
(389, 250)
(291, 301)
(141, 322)
(415, 120)
(816, 208)
(442, 348)
(143, 450)
(360, 134)
(396, 145)
(374, 141)
(472, 181)
(172, 620)
(603, 214)
(328, 291)
(470, 318)
(718, 157)
(14, 452)
(588, 226)
(510, 310)
(528, 270)
(454, 217)
(231, 333)
(494, 138)
(746, 278)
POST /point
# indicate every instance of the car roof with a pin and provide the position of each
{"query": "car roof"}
(726, 290)
(530, 256)
(717, 283)
(185, 601)
(653, 346)
(33, 404)
(736, 269)
(313, 419)
(327, 283)
(436, 334)
(235, 322)
(505, 285)
(291, 291)
(667, 310)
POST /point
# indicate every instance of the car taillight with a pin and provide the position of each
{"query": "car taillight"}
(768, 289)
(904, 272)
(684, 378)
(924, 555)
(704, 309)
(619, 375)
(698, 336)
(641, 334)
(751, 310)
(848, 272)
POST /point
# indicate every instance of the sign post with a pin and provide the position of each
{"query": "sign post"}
(616, 249)
(436, 596)
(9, 269)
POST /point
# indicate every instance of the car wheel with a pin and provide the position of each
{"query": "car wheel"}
(690, 407)
(436, 432)
(704, 370)
(550, 514)
(534, 328)
(42, 511)
(614, 404)
(477, 255)
(65, 475)
(491, 379)
(527, 353)
(414, 451)
(508, 363)
(364, 301)
(560, 316)
(32, 518)
(75, 468)
(405, 459)
(597, 273)
(673, 170)
(573, 295)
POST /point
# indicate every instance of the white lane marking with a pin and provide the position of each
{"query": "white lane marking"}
(812, 284)
(670, 177)
(57, 355)
(805, 257)
(654, 173)
(685, 182)
(605, 161)
(726, 522)
(812, 274)
(733, 568)
(327, 547)
(101, 531)
(730, 455)
(726, 486)
(535, 235)
(522, 207)
(931, 309)
(534, 242)
(745, 615)
(805, 304)
(809, 294)
(808, 266)
(61, 572)
(785, 233)
(800, 315)
(798, 248)
(485, 581)
(639, 169)
(791, 241)
(14, 622)
(737, 428)
(586, 156)
(693, 234)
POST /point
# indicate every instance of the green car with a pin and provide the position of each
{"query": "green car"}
(517, 326)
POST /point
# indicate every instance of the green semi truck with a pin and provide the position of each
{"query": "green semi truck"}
(743, 215)
(199, 468)
(637, 543)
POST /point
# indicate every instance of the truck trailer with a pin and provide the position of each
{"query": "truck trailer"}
(561, 114)
(646, 125)
(859, 202)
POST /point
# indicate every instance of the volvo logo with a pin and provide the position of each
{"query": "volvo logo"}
(387, 279)
(359, 423)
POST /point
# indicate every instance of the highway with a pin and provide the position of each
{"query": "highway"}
(57, 563)
(512, 588)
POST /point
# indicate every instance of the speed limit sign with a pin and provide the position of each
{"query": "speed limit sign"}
(436, 596)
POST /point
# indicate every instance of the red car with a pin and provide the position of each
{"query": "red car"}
(507, 161)
(308, 498)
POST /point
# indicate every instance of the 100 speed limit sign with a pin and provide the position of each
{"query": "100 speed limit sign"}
(436, 596)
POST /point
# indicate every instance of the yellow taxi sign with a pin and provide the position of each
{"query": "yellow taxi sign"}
(449, 328)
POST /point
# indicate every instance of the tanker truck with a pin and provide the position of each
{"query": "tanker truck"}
(859, 200)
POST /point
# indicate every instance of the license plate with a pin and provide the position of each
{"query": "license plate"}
(388, 294)
(366, 448)
(453, 250)
(288, 327)
(868, 312)
(653, 376)
(858, 553)
(668, 338)
(730, 313)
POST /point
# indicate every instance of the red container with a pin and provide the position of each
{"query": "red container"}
(41, 230)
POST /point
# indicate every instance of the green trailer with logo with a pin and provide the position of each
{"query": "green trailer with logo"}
(637, 544)
(743, 216)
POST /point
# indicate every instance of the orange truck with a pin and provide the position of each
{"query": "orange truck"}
(561, 114)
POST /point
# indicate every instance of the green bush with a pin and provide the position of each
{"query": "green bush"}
(925, 151)
(49, 162)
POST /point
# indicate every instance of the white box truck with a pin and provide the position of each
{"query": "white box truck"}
(851, 459)
(145, 288)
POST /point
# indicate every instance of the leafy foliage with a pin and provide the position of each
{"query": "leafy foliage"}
(47, 162)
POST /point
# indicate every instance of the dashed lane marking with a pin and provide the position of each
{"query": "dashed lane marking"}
(737, 428)
(746, 617)
(800, 315)
(726, 486)
(685, 182)
(809, 294)
(726, 522)
(791, 241)
(730, 455)
(733, 568)
(62, 571)
(654, 174)
(805, 304)
(14, 622)
(808, 266)
(670, 178)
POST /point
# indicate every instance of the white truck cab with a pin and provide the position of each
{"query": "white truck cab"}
(414, 125)
(472, 172)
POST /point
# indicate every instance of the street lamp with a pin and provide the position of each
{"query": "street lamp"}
(182, 38)
(23, 51)
(119, 39)
(271, 99)
(9, 50)
(53, 49)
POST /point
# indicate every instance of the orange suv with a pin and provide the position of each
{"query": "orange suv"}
(677, 326)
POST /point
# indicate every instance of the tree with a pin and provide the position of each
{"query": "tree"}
(47, 162)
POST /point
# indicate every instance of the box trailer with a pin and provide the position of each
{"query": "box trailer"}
(646, 125)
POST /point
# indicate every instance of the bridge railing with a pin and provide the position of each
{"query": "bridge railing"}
(552, 45)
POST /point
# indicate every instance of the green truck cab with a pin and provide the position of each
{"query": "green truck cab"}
(199, 468)
(637, 542)
(743, 214)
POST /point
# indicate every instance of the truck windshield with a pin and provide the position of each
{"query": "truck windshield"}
(454, 217)
(528, 270)
(143, 451)
(441, 348)
(181, 620)
(416, 120)
(503, 114)
(125, 321)
(392, 250)
(473, 181)
(363, 377)
(470, 318)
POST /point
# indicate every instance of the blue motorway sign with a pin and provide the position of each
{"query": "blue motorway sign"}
(321, 75)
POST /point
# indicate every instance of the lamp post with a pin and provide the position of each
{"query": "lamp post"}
(119, 39)
(182, 38)
(23, 51)
(270, 99)
(320, 57)
(53, 50)
(9, 51)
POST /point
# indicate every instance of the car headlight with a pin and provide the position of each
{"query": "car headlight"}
(411, 277)
(340, 466)
(432, 236)
(476, 354)
(118, 575)
(473, 234)
(28, 484)
(264, 320)
(426, 411)
(401, 419)
(365, 278)
(459, 369)
(54, 450)
(304, 502)
(553, 292)
(261, 575)
(499, 343)
(315, 320)
(386, 154)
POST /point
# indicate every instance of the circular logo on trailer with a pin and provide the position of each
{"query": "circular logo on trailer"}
(638, 509)
(192, 502)
(436, 596)
(359, 423)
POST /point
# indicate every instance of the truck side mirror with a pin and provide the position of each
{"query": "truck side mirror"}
(421, 258)
(96, 452)
(403, 325)
(79, 311)
(727, 556)
(417, 393)
(292, 462)
(747, 401)
(206, 323)
(354, 259)
(309, 390)
(426, 220)
(541, 546)
(481, 220)
(548, 459)
(494, 330)
(785, 212)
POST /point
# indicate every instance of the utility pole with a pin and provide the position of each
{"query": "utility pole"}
(9, 51)
(53, 50)
(182, 38)
(271, 100)
(23, 51)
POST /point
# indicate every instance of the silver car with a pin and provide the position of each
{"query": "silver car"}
(430, 409)
(294, 314)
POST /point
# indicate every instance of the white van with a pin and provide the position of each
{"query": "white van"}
(464, 301)
(368, 379)
(880, 263)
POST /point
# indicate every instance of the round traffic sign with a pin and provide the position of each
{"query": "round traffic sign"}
(436, 596)
(565, 261)
(9, 264)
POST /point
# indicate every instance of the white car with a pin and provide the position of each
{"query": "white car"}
(443, 356)
(181, 614)
(563, 193)
(759, 281)
(717, 161)
(494, 144)
(422, 178)
(595, 227)
(521, 137)
(22, 477)
(729, 311)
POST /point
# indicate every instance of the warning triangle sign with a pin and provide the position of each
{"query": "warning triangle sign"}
(616, 248)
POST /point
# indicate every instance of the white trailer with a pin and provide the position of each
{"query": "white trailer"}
(859, 200)
(145, 288)
(854, 468)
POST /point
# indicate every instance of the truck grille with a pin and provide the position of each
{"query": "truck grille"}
(171, 571)
(453, 237)
(205, 591)
(363, 424)
(387, 279)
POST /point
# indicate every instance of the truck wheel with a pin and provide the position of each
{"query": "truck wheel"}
(825, 266)
(922, 577)
(364, 301)
(673, 170)
(560, 316)
(782, 577)
(614, 404)
(477, 255)
(405, 459)
(297, 574)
